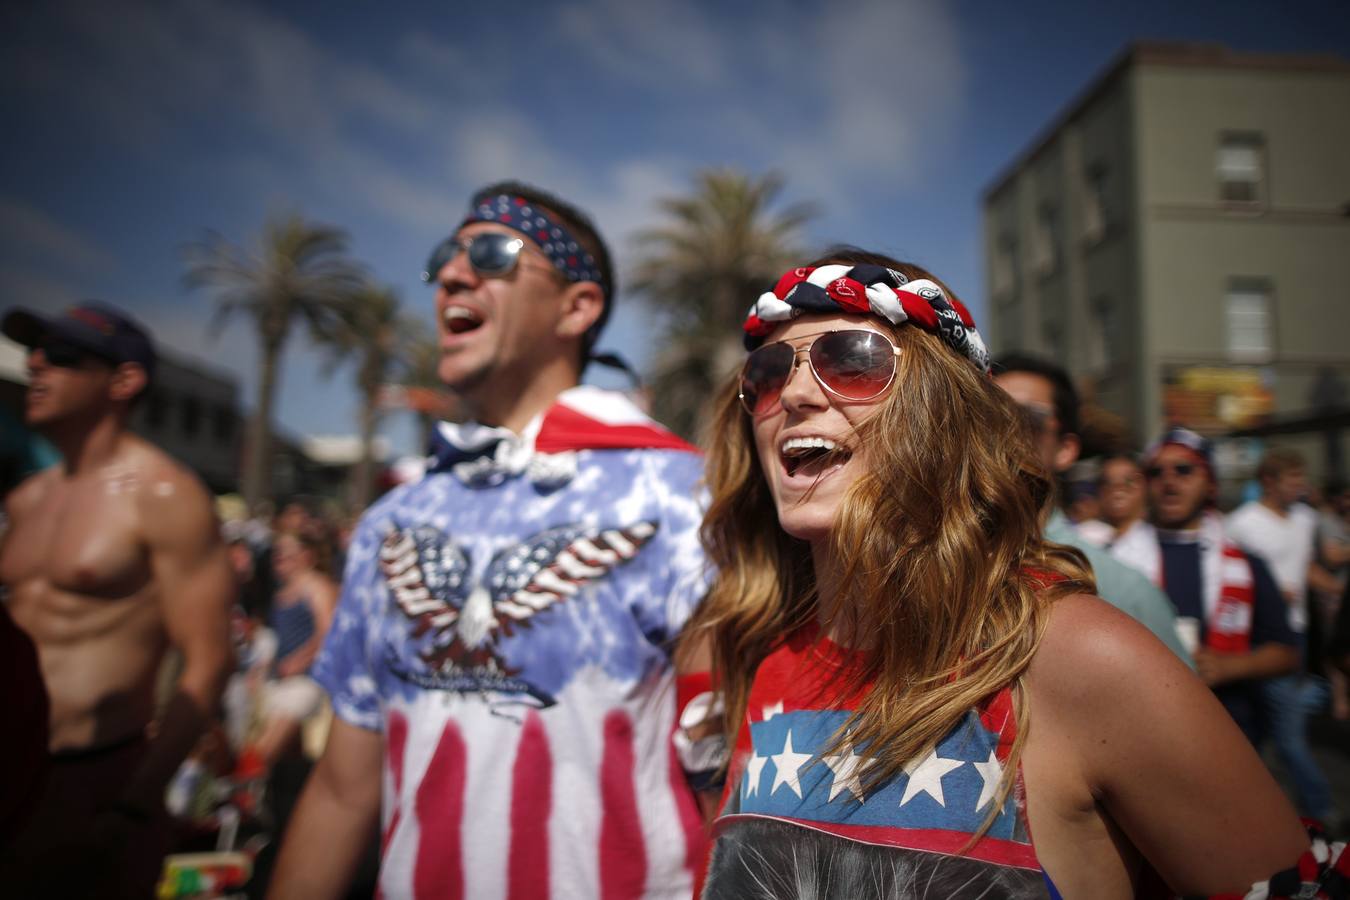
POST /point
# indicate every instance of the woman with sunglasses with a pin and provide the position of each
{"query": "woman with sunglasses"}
(914, 682)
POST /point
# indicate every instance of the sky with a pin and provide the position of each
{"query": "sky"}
(133, 128)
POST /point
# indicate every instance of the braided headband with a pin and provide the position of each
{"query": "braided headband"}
(867, 290)
(561, 247)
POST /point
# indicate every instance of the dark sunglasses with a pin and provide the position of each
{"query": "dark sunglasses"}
(65, 355)
(1183, 470)
(492, 254)
(854, 364)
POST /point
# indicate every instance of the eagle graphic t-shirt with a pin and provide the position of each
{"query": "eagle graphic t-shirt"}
(507, 624)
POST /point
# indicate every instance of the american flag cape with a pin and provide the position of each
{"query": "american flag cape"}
(782, 772)
(509, 638)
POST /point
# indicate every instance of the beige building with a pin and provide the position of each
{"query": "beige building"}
(1180, 238)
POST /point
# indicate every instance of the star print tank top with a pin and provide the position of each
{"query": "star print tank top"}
(796, 821)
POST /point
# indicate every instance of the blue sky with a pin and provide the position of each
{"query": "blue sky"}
(134, 127)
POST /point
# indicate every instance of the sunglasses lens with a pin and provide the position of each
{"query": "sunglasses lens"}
(856, 365)
(444, 252)
(766, 371)
(492, 253)
(63, 355)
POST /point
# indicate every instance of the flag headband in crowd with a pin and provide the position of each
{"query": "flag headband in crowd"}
(867, 290)
(558, 243)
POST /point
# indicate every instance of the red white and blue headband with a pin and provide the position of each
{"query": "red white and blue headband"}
(867, 290)
(553, 237)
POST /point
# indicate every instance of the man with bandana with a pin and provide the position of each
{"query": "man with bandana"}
(499, 663)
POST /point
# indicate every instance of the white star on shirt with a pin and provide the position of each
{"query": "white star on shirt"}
(925, 776)
(991, 773)
(788, 764)
(846, 766)
(753, 770)
(773, 709)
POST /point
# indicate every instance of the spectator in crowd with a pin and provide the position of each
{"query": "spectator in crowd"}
(1226, 600)
(1122, 487)
(300, 616)
(111, 556)
(1328, 579)
(500, 657)
(1282, 531)
(916, 683)
(1049, 403)
(1084, 513)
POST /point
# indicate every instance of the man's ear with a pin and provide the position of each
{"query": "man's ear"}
(1069, 447)
(129, 379)
(582, 304)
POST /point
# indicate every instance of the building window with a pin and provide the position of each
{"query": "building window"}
(1046, 247)
(1052, 335)
(224, 424)
(1095, 210)
(191, 412)
(1005, 266)
(1247, 308)
(1241, 168)
(156, 410)
(1104, 336)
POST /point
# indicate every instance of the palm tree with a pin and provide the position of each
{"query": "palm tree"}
(719, 249)
(423, 391)
(299, 272)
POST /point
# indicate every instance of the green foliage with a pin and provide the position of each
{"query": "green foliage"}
(719, 249)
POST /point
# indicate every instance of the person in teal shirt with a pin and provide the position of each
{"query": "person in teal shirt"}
(1048, 398)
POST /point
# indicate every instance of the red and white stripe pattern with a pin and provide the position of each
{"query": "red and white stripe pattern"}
(584, 559)
(592, 802)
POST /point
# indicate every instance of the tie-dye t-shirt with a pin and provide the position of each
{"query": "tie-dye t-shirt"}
(511, 639)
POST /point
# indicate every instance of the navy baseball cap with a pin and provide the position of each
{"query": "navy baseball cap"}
(1200, 447)
(105, 331)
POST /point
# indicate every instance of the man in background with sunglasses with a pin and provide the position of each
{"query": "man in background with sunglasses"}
(1228, 605)
(1050, 402)
(111, 556)
(499, 662)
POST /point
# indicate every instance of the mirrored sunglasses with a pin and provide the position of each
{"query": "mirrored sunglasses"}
(854, 364)
(492, 254)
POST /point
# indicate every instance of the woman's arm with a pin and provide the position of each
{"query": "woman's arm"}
(1160, 753)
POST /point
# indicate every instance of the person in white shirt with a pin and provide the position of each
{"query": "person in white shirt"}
(1282, 530)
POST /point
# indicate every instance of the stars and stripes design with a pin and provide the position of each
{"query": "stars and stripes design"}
(867, 290)
(534, 575)
(939, 801)
(428, 580)
(788, 766)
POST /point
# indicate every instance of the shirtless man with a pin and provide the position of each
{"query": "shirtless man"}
(110, 557)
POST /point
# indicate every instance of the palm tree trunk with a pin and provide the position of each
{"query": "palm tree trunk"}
(258, 462)
(365, 466)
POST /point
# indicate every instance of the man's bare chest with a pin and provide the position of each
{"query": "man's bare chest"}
(81, 539)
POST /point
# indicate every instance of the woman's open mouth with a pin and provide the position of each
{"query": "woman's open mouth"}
(812, 457)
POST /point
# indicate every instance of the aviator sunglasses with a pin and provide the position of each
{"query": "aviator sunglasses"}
(855, 364)
(491, 254)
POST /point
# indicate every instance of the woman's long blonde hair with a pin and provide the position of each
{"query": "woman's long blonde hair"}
(944, 569)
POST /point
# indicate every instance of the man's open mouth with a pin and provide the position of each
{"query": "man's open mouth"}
(461, 319)
(812, 456)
